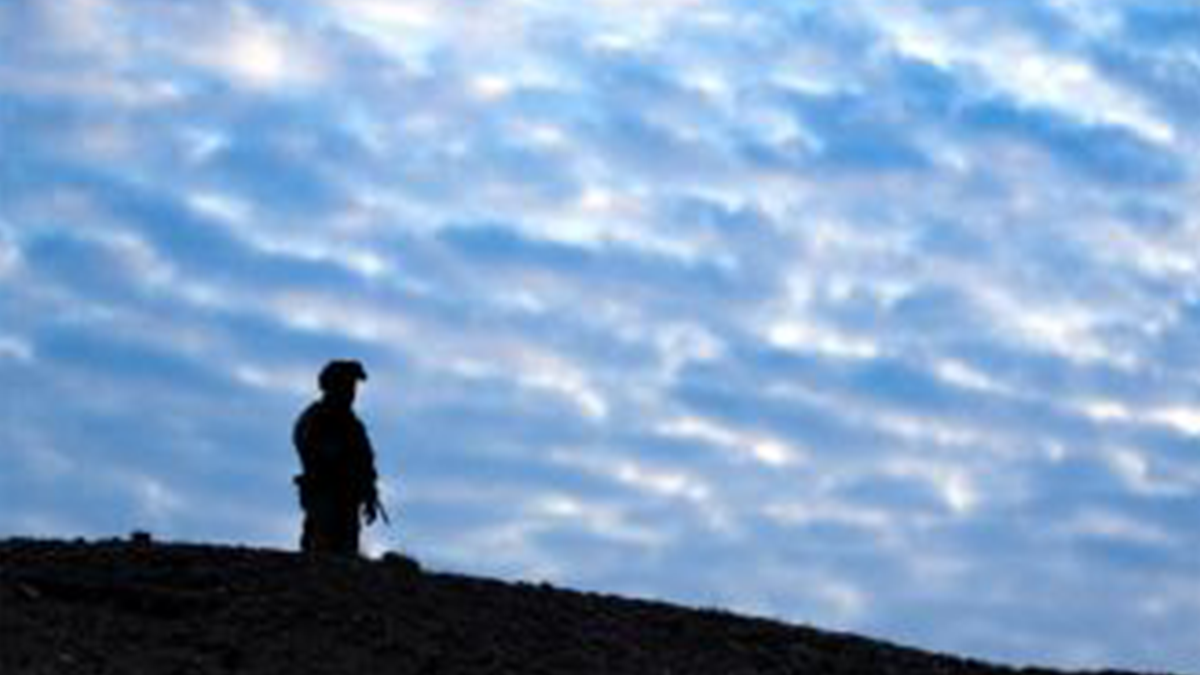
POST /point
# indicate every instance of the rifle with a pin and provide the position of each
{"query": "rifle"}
(377, 506)
(383, 514)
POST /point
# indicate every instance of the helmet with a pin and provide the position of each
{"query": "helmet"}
(340, 371)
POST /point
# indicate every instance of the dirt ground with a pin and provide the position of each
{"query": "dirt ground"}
(129, 607)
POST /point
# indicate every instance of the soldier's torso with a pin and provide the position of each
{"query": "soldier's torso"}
(333, 448)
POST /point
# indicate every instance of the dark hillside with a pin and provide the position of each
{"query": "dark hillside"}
(126, 608)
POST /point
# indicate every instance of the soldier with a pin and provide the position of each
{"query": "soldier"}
(337, 485)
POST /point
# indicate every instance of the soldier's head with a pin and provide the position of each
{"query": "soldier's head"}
(339, 380)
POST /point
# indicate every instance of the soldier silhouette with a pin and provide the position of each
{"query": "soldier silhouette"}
(338, 483)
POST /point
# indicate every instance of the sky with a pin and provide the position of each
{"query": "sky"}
(873, 315)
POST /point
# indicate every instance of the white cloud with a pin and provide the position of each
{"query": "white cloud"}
(805, 337)
(1116, 527)
(604, 520)
(1182, 418)
(964, 375)
(87, 26)
(674, 484)
(13, 347)
(221, 206)
(289, 381)
(954, 485)
(794, 513)
(335, 317)
(10, 254)
(158, 501)
(1015, 63)
(765, 449)
(257, 51)
(685, 277)
(546, 372)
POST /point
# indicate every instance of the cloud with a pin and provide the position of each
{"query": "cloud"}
(876, 316)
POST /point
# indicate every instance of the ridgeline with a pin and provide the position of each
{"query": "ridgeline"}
(138, 606)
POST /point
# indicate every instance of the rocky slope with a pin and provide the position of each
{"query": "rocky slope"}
(142, 607)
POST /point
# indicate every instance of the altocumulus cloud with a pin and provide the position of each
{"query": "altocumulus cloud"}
(874, 315)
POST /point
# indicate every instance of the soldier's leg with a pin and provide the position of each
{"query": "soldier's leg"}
(306, 537)
(344, 531)
(320, 526)
(313, 538)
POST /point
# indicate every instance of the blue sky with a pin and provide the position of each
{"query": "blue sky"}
(878, 315)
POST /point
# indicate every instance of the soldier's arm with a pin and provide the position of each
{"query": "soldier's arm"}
(366, 453)
(372, 507)
(302, 437)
